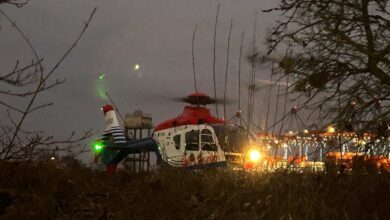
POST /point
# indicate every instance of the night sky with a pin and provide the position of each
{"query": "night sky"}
(155, 34)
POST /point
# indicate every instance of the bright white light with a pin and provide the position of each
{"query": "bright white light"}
(330, 129)
(136, 67)
(52, 158)
(254, 155)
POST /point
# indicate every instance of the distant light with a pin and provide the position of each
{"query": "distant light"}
(330, 129)
(102, 76)
(305, 131)
(52, 158)
(136, 67)
(254, 155)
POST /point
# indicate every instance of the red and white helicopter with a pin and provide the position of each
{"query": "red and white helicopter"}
(194, 139)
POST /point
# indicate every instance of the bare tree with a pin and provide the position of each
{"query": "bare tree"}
(18, 3)
(339, 57)
(28, 81)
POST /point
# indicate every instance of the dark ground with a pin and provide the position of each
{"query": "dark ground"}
(48, 190)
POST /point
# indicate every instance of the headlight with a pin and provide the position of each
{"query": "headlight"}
(254, 155)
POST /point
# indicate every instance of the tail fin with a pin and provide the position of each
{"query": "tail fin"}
(113, 130)
(113, 134)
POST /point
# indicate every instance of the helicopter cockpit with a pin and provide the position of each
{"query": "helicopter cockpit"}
(240, 152)
(231, 138)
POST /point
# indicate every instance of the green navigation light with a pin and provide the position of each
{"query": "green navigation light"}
(98, 146)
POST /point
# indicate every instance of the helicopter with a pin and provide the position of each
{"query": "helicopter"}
(195, 139)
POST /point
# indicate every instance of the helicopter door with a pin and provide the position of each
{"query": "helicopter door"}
(208, 146)
(191, 152)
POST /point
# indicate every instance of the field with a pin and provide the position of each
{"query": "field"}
(52, 190)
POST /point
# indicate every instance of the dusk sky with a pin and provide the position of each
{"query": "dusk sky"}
(155, 34)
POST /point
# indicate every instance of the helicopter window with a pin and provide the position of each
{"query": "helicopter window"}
(208, 144)
(192, 140)
(206, 136)
(176, 139)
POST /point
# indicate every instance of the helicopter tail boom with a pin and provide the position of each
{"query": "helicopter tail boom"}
(113, 145)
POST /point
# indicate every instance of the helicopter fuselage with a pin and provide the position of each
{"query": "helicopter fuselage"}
(189, 146)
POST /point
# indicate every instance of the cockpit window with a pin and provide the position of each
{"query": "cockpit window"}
(231, 138)
(192, 140)
(208, 143)
(206, 136)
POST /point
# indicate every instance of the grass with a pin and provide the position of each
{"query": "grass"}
(48, 190)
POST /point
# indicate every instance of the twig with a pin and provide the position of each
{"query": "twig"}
(227, 69)
(239, 71)
(193, 62)
(251, 90)
(214, 60)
